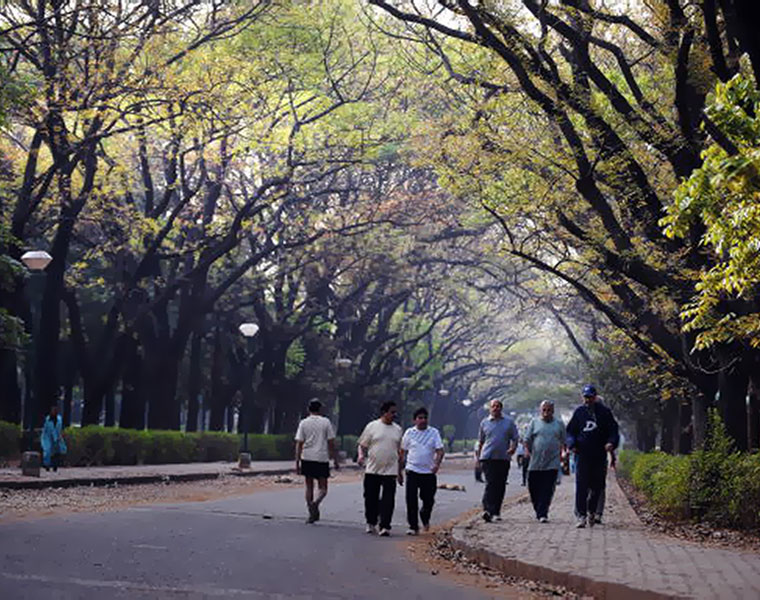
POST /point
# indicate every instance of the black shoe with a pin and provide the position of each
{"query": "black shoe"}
(486, 516)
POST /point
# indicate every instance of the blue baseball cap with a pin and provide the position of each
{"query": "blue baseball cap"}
(588, 391)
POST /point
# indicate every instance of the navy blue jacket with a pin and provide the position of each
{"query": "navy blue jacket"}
(590, 429)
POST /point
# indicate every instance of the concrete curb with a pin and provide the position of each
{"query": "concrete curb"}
(578, 583)
(39, 484)
(581, 584)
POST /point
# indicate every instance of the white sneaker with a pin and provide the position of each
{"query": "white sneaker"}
(384, 532)
(580, 523)
(497, 517)
(411, 531)
(371, 529)
(543, 520)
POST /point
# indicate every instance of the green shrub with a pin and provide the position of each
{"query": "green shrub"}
(10, 439)
(625, 462)
(716, 484)
(93, 445)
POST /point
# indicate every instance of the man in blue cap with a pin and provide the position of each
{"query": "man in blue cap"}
(591, 433)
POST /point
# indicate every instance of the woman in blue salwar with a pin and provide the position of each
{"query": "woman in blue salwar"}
(53, 444)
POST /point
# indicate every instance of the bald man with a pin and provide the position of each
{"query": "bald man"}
(497, 442)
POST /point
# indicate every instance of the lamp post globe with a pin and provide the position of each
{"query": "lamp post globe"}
(248, 330)
(36, 260)
(443, 392)
(343, 363)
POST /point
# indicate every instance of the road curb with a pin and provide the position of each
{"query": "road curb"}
(581, 584)
(39, 484)
(578, 583)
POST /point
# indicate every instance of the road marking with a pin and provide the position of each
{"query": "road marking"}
(206, 590)
(149, 547)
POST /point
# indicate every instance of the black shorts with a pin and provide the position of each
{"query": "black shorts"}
(314, 469)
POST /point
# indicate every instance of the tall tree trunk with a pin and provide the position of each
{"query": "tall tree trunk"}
(702, 400)
(132, 414)
(195, 382)
(646, 435)
(68, 398)
(686, 431)
(670, 426)
(110, 402)
(10, 399)
(753, 412)
(733, 382)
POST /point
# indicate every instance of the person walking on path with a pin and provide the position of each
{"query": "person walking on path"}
(315, 445)
(380, 449)
(52, 442)
(591, 433)
(522, 462)
(498, 441)
(544, 444)
(422, 450)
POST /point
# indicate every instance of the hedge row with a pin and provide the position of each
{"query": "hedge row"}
(716, 485)
(94, 445)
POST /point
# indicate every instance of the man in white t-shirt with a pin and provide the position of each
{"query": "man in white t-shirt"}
(422, 448)
(379, 448)
(315, 445)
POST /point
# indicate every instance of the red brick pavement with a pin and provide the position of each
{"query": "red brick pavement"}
(619, 559)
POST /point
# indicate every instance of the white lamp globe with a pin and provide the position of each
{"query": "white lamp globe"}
(249, 329)
(443, 392)
(36, 260)
(343, 362)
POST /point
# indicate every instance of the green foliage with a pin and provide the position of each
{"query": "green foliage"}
(462, 445)
(716, 485)
(10, 438)
(95, 445)
(722, 198)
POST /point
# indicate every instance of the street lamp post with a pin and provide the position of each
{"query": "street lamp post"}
(248, 330)
(36, 261)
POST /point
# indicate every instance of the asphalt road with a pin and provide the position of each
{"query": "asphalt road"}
(255, 546)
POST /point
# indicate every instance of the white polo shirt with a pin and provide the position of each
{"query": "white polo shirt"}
(420, 445)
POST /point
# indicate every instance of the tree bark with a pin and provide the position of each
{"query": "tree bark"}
(194, 383)
(132, 414)
(670, 426)
(733, 382)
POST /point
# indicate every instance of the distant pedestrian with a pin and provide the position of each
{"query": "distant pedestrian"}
(522, 462)
(591, 433)
(478, 470)
(422, 450)
(380, 454)
(498, 442)
(53, 444)
(315, 445)
(544, 442)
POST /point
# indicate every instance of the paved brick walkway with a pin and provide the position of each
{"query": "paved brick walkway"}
(619, 559)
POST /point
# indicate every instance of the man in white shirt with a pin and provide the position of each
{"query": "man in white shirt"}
(315, 445)
(379, 448)
(422, 448)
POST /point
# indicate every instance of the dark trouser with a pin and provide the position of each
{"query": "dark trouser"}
(525, 463)
(374, 503)
(590, 481)
(424, 486)
(496, 473)
(541, 486)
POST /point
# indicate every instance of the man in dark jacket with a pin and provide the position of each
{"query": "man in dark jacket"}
(591, 433)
